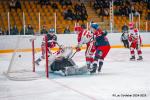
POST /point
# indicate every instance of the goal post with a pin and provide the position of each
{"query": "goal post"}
(22, 64)
(46, 56)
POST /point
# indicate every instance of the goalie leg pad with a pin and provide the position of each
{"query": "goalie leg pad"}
(75, 70)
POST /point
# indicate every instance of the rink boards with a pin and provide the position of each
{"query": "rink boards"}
(7, 43)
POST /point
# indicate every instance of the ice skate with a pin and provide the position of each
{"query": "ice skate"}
(89, 67)
(100, 66)
(132, 58)
(93, 70)
(140, 58)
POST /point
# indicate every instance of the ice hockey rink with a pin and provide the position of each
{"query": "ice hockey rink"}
(120, 79)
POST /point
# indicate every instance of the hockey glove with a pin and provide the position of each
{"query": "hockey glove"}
(78, 49)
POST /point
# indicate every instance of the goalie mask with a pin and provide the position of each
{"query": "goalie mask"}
(52, 31)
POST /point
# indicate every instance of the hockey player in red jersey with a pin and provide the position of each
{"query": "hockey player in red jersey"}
(86, 37)
(102, 46)
(135, 42)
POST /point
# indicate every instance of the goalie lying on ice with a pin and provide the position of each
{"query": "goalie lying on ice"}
(62, 61)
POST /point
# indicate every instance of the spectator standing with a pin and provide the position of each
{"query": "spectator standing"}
(44, 31)
(125, 28)
(67, 30)
(30, 30)
(15, 30)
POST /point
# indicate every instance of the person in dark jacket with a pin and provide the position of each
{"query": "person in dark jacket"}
(30, 30)
(102, 46)
(67, 30)
(15, 30)
(124, 39)
(124, 28)
(44, 31)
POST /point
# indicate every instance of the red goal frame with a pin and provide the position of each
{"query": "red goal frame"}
(46, 56)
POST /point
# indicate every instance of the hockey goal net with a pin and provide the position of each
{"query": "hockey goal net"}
(22, 66)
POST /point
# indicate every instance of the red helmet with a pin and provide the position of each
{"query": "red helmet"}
(131, 25)
(78, 28)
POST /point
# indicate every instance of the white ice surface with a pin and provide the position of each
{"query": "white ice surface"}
(119, 77)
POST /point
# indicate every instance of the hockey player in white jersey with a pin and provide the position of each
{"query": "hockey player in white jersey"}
(135, 42)
(86, 37)
(62, 61)
(51, 42)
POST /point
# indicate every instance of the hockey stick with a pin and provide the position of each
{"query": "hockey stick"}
(73, 54)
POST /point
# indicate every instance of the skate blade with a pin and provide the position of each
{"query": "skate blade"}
(132, 60)
(140, 60)
(93, 73)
